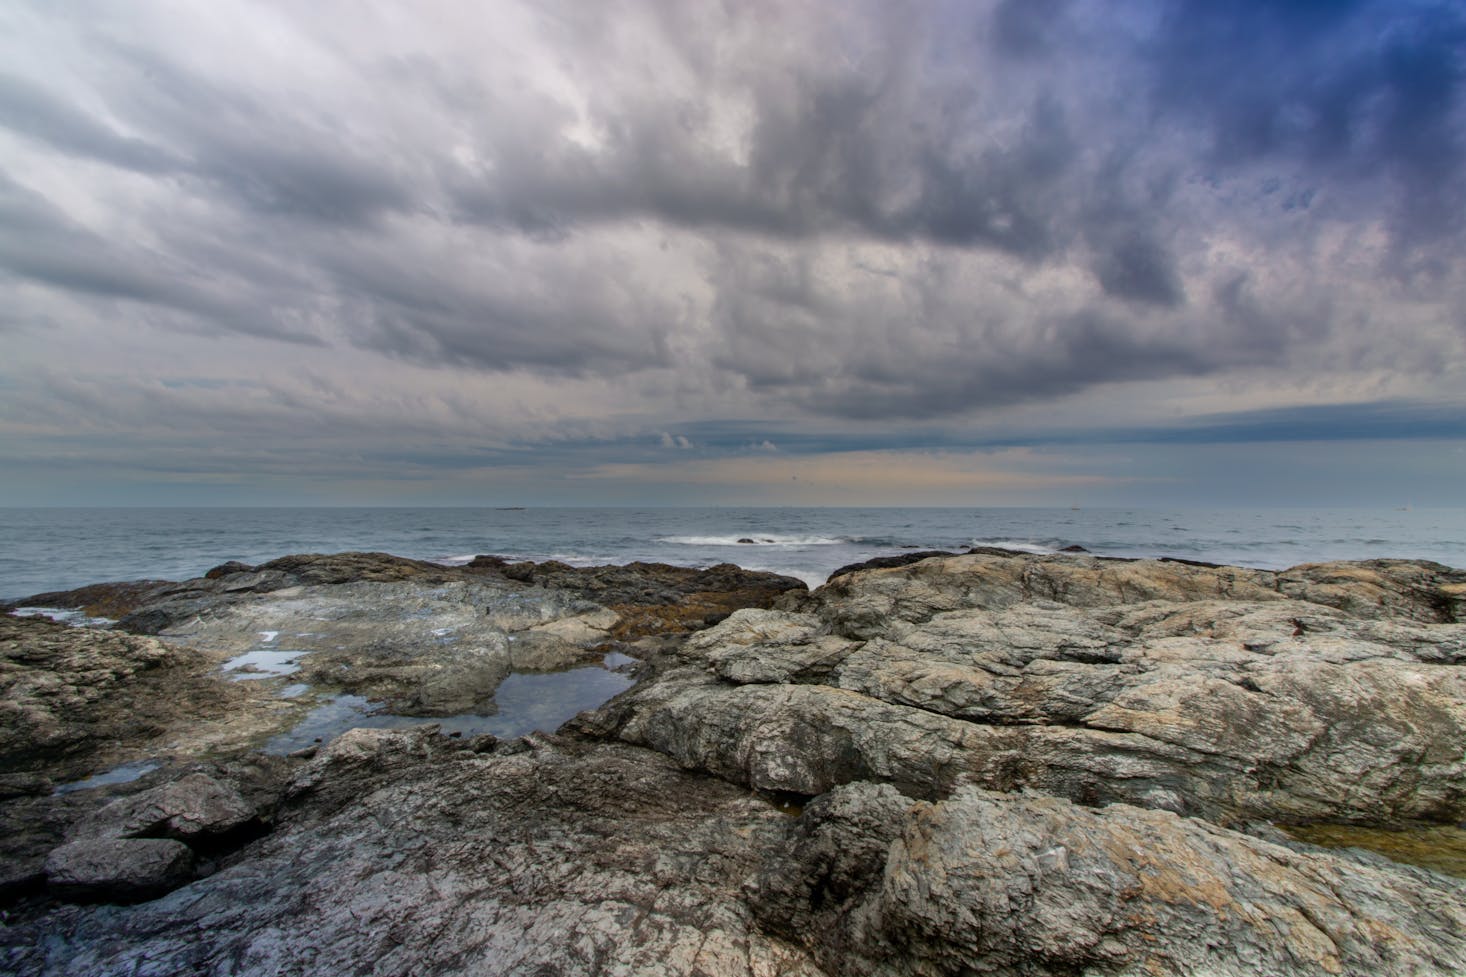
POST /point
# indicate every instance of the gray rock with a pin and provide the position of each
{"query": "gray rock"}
(996, 751)
(195, 807)
(1327, 692)
(119, 869)
(77, 701)
(872, 883)
(400, 852)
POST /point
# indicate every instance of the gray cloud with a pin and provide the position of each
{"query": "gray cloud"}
(873, 211)
(28, 109)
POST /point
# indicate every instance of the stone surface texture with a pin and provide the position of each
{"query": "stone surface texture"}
(1327, 692)
(398, 852)
(979, 764)
(981, 882)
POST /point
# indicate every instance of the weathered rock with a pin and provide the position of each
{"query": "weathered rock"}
(430, 640)
(886, 562)
(1327, 692)
(119, 869)
(902, 697)
(399, 852)
(196, 807)
(114, 599)
(423, 855)
(870, 882)
(75, 701)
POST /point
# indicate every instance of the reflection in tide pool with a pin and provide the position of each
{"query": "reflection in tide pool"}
(527, 702)
(126, 773)
(263, 663)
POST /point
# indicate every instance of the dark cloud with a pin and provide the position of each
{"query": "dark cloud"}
(41, 244)
(28, 109)
(1025, 28)
(852, 212)
(1350, 91)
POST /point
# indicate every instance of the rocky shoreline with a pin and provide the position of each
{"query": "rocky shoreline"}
(983, 762)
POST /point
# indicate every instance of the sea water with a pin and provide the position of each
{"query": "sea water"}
(55, 549)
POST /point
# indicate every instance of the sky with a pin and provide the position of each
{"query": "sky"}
(1047, 252)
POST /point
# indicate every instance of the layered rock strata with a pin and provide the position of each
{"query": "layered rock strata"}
(1320, 693)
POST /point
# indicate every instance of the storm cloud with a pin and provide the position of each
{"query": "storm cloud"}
(533, 224)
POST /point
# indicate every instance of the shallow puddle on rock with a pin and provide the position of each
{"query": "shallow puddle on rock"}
(527, 701)
(294, 691)
(1439, 847)
(263, 663)
(123, 774)
(618, 662)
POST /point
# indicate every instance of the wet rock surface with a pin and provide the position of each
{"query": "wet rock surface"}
(424, 639)
(1005, 765)
(402, 852)
(74, 701)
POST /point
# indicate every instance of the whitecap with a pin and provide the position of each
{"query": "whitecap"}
(61, 615)
(454, 561)
(1021, 546)
(754, 539)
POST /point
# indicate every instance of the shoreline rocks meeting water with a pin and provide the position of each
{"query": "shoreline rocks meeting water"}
(938, 763)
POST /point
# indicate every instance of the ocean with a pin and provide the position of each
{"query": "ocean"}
(45, 549)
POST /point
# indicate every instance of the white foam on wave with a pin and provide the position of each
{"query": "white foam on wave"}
(1022, 546)
(454, 561)
(754, 539)
(76, 619)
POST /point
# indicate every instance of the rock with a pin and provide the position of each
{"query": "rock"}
(119, 869)
(1073, 548)
(103, 600)
(76, 701)
(228, 569)
(1326, 692)
(430, 640)
(745, 539)
(422, 857)
(1010, 765)
(194, 808)
(885, 562)
(870, 882)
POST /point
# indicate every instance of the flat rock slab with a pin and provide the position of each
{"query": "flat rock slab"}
(119, 869)
(405, 853)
